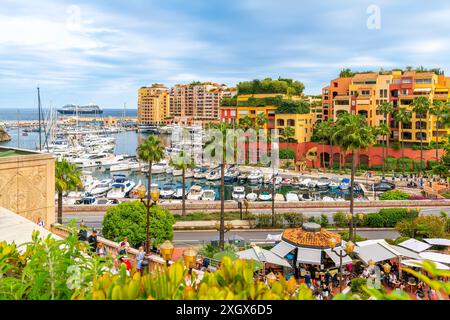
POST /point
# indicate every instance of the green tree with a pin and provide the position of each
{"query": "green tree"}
(403, 117)
(67, 178)
(245, 123)
(440, 110)
(385, 108)
(383, 130)
(128, 219)
(346, 73)
(421, 106)
(352, 133)
(288, 133)
(181, 163)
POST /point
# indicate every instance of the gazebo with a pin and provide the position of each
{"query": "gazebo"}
(310, 245)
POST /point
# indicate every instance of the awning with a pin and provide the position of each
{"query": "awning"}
(415, 263)
(414, 245)
(345, 260)
(405, 252)
(282, 249)
(375, 252)
(422, 89)
(438, 241)
(309, 256)
(258, 254)
(434, 256)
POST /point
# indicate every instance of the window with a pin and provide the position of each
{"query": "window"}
(233, 113)
(365, 92)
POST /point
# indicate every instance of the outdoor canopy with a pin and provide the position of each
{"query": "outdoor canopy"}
(261, 255)
(438, 241)
(415, 245)
(309, 256)
(405, 252)
(436, 257)
(414, 263)
(282, 249)
(375, 252)
(345, 260)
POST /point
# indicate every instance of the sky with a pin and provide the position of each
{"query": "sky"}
(103, 51)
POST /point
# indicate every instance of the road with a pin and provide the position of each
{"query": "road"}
(94, 219)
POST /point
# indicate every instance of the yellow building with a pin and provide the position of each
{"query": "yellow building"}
(153, 105)
(301, 123)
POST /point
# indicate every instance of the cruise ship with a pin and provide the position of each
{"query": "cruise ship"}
(74, 109)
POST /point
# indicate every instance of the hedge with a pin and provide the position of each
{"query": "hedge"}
(394, 195)
(387, 218)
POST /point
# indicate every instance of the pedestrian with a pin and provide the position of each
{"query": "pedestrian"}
(92, 240)
(308, 279)
(124, 260)
(101, 250)
(122, 249)
(419, 292)
(139, 258)
(82, 234)
(327, 277)
(127, 244)
(40, 222)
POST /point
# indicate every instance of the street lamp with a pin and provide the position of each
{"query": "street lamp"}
(349, 247)
(190, 258)
(166, 250)
(152, 199)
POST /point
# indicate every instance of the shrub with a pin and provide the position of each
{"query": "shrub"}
(324, 220)
(395, 145)
(293, 219)
(129, 219)
(404, 161)
(286, 153)
(346, 237)
(388, 218)
(340, 219)
(265, 220)
(423, 227)
(390, 163)
(394, 195)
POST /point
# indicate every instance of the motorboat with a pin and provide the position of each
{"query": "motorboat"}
(209, 195)
(119, 167)
(251, 196)
(213, 175)
(107, 201)
(265, 196)
(188, 173)
(255, 176)
(383, 185)
(231, 175)
(345, 184)
(277, 179)
(296, 181)
(323, 183)
(120, 187)
(86, 201)
(160, 167)
(134, 165)
(177, 172)
(327, 199)
(315, 196)
(279, 197)
(238, 193)
(102, 187)
(195, 193)
(312, 184)
(306, 197)
(333, 185)
(200, 172)
(292, 197)
(242, 178)
(179, 193)
(304, 184)
(286, 181)
(167, 191)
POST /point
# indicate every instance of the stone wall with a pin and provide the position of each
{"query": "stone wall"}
(27, 185)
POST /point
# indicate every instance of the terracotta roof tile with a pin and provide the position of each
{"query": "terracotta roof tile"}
(302, 238)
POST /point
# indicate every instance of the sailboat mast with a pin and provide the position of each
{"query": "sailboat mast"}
(39, 117)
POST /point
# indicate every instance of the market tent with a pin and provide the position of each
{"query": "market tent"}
(375, 252)
(416, 263)
(282, 249)
(370, 242)
(438, 241)
(309, 255)
(415, 245)
(261, 255)
(405, 252)
(434, 256)
(345, 260)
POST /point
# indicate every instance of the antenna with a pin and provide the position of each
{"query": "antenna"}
(39, 116)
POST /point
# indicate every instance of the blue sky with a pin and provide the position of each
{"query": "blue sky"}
(103, 51)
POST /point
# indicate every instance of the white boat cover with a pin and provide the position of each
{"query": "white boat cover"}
(282, 248)
(434, 256)
(438, 241)
(415, 245)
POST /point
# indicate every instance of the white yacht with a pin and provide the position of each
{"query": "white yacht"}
(238, 193)
(179, 193)
(167, 191)
(292, 197)
(328, 199)
(120, 167)
(188, 173)
(251, 196)
(101, 187)
(213, 175)
(209, 195)
(265, 196)
(177, 172)
(256, 176)
(195, 193)
(304, 184)
(279, 197)
(120, 187)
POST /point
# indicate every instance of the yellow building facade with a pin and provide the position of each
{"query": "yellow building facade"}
(153, 104)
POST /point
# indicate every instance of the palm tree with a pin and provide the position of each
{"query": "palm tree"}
(322, 134)
(288, 133)
(149, 151)
(439, 110)
(383, 130)
(385, 108)
(403, 116)
(67, 178)
(183, 165)
(222, 127)
(421, 106)
(351, 133)
(260, 121)
(245, 122)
